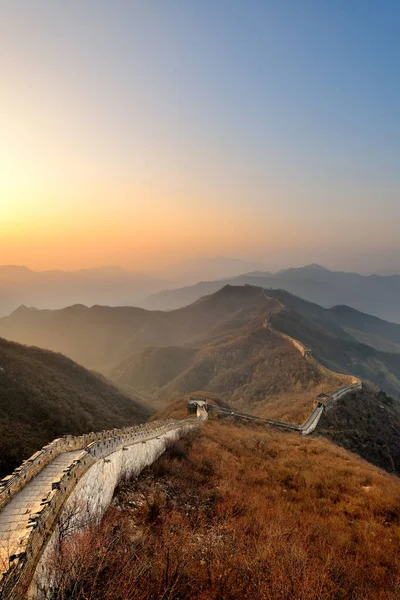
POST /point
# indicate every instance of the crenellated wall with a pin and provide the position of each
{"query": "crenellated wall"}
(88, 479)
(12, 484)
(91, 497)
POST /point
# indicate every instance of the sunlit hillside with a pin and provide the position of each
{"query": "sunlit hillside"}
(101, 336)
(251, 368)
(243, 513)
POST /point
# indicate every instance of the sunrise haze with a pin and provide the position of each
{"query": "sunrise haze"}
(143, 133)
(199, 299)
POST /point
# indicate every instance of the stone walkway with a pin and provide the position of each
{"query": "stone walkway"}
(14, 518)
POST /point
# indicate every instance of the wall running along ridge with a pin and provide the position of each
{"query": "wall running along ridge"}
(312, 421)
(353, 384)
(82, 490)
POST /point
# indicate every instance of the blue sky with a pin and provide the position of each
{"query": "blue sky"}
(266, 129)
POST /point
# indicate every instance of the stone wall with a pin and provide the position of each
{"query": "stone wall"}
(91, 497)
(12, 484)
(113, 457)
(308, 355)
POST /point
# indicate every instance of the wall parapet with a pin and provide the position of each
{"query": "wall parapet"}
(13, 483)
(41, 524)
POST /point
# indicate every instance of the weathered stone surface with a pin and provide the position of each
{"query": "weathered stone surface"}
(33, 504)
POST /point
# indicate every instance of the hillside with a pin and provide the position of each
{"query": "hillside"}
(250, 368)
(45, 395)
(335, 348)
(367, 423)
(243, 512)
(368, 329)
(345, 322)
(374, 294)
(101, 336)
(218, 344)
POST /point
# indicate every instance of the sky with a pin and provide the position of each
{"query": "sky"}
(141, 133)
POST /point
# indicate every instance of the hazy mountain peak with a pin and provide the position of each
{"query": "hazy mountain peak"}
(10, 274)
(344, 308)
(75, 308)
(22, 308)
(15, 268)
(315, 267)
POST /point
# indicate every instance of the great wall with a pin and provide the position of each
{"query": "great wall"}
(353, 384)
(73, 480)
(75, 477)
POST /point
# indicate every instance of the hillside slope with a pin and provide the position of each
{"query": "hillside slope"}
(333, 348)
(101, 336)
(244, 513)
(367, 423)
(250, 368)
(345, 322)
(368, 329)
(45, 395)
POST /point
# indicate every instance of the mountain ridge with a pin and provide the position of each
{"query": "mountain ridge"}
(104, 338)
(44, 395)
(374, 294)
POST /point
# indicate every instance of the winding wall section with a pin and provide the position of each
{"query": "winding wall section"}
(34, 496)
(353, 384)
(85, 469)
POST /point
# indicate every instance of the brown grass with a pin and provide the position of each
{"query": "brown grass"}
(252, 369)
(241, 513)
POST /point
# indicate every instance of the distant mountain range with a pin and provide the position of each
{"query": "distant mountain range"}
(113, 286)
(109, 339)
(57, 289)
(101, 336)
(110, 285)
(374, 294)
(345, 340)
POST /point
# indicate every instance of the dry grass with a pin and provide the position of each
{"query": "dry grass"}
(244, 513)
(252, 369)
